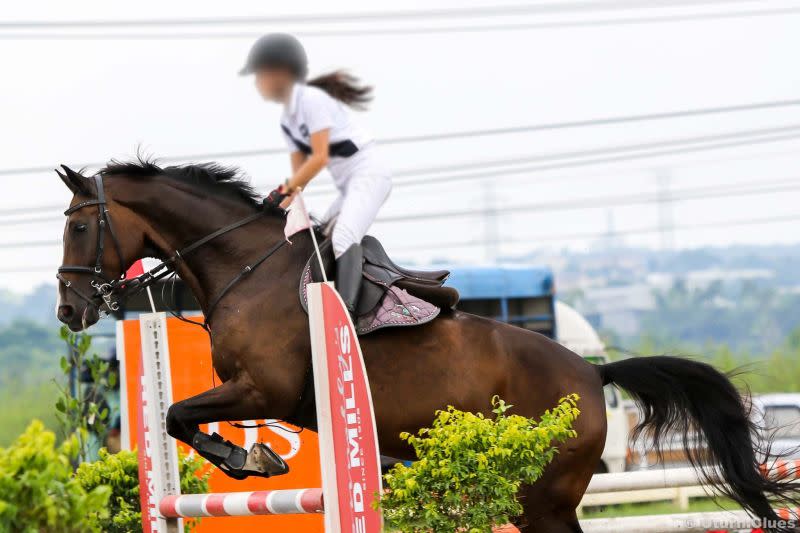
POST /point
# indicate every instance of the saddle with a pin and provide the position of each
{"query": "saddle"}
(391, 296)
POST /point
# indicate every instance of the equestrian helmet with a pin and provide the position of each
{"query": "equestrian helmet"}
(277, 50)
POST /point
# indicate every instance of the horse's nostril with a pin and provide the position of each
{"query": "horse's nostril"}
(65, 312)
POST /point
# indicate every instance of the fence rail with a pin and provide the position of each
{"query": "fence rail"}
(686, 522)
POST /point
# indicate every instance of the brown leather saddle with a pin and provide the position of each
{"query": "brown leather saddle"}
(382, 278)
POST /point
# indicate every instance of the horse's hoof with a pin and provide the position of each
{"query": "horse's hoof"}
(264, 461)
(261, 461)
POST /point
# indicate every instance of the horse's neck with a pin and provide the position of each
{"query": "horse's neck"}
(178, 218)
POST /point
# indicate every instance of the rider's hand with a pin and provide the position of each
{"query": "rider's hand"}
(276, 197)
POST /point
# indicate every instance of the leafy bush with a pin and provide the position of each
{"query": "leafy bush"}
(120, 472)
(470, 468)
(83, 410)
(38, 492)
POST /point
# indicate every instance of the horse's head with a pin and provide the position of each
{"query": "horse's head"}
(94, 250)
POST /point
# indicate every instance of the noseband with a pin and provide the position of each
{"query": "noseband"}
(102, 284)
(111, 291)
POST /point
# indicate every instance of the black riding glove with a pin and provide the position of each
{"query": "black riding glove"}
(275, 198)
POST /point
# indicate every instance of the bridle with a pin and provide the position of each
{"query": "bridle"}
(102, 284)
(112, 291)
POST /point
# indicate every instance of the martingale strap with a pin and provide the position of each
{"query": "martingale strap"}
(241, 275)
(167, 268)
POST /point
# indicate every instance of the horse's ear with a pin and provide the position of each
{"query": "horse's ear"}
(75, 181)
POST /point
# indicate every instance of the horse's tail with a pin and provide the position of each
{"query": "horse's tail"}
(700, 405)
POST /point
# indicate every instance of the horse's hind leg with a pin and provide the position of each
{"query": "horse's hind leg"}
(554, 524)
(540, 516)
(233, 400)
(550, 503)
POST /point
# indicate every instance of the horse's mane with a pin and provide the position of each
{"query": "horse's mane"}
(228, 180)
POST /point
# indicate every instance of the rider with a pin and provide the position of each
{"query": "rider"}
(320, 133)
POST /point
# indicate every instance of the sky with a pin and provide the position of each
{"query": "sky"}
(77, 100)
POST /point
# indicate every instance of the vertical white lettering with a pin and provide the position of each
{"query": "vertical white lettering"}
(360, 525)
(355, 448)
(344, 339)
(358, 498)
(350, 401)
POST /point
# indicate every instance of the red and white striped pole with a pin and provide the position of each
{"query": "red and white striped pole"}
(262, 502)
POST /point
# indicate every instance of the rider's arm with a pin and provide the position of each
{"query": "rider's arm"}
(312, 164)
(297, 158)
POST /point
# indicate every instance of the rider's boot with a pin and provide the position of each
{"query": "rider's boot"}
(348, 276)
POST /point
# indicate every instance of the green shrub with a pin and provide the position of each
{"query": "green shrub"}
(38, 492)
(120, 472)
(470, 468)
(83, 410)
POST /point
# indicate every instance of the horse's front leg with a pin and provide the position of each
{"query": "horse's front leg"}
(233, 400)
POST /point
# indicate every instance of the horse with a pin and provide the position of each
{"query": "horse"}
(261, 348)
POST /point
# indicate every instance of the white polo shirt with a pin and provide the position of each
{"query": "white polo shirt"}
(310, 110)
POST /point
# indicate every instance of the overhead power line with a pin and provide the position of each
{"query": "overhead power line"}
(738, 189)
(30, 244)
(592, 161)
(486, 169)
(509, 169)
(166, 159)
(662, 143)
(533, 239)
(386, 31)
(512, 10)
(462, 134)
(716, 191)
(606, 121)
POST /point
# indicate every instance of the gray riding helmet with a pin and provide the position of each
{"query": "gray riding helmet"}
(277, 50)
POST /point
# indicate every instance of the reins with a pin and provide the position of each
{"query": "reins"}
(167, 268)
(106, 289)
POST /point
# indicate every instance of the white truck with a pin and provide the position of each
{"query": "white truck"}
(779, 416)
(575, 332)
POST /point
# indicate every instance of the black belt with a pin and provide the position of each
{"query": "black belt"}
(344, 148)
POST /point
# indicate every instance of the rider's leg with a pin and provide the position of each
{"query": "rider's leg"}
(348, 276)
(366, 193)
(233, 400)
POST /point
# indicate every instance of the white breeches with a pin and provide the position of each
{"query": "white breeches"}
(357, 206)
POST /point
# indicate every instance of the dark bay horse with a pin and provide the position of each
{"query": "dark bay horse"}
(261, 347)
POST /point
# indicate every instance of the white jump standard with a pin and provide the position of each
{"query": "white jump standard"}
(349, 456)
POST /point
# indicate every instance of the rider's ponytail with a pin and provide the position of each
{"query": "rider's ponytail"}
(345, 88)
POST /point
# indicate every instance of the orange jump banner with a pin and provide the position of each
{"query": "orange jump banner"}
(191, 373)
(162, 360)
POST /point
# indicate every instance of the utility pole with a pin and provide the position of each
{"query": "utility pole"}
(491, 224)
(611, 241)
(666, 222)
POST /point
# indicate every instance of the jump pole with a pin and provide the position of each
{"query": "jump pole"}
(349, 455)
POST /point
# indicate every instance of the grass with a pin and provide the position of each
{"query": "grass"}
(21, 404)
(696, 505)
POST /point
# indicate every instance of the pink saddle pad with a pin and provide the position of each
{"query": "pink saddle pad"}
(397, 308)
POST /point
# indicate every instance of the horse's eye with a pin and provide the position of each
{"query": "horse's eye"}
(80, 227)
